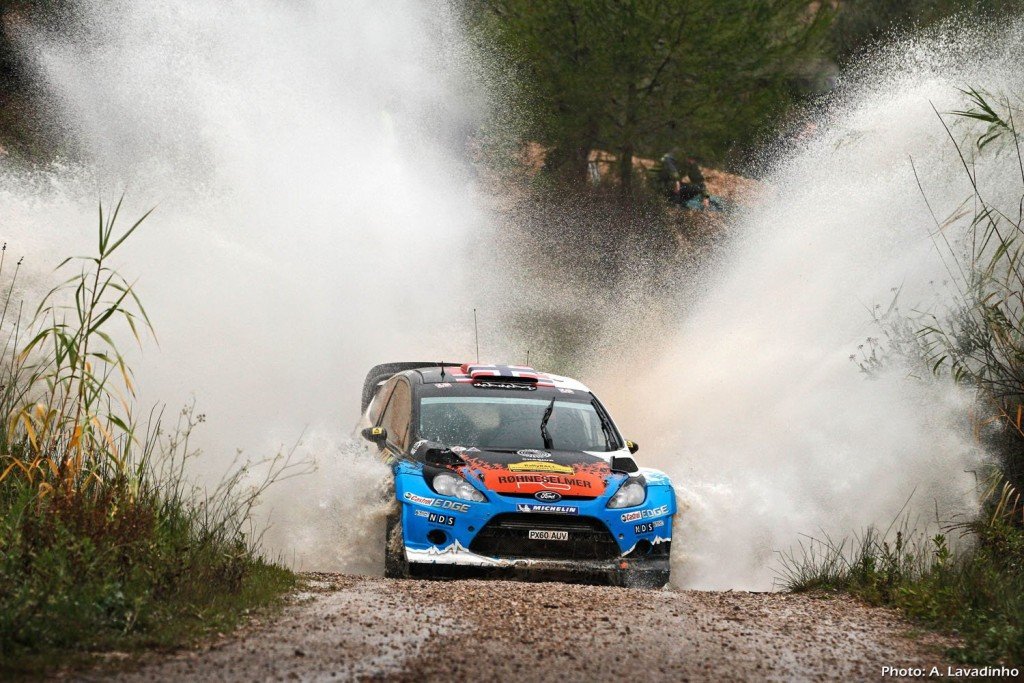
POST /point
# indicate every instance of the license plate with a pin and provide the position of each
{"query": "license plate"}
(547, 535)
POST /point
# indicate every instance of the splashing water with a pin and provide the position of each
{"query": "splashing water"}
(315, 199)
(310, 168)
(756, 408)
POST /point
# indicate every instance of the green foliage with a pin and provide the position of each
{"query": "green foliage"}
(861, 24)
(116, 569)
(978, 593)
(642, 76)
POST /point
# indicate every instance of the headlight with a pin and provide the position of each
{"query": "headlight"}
(456, 487)
(631, 494)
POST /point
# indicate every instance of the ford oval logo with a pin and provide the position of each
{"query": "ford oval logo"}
(547, 496)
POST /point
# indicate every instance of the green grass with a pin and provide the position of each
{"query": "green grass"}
(82, 574)
(977, 593)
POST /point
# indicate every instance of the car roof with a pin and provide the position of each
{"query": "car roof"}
(468, 372)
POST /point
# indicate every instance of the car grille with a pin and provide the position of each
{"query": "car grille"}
(508, 536)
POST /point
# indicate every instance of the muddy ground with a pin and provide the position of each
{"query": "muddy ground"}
(343, 627)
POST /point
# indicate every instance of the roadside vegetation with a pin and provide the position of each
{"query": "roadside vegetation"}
(979, 591)
(104, 545)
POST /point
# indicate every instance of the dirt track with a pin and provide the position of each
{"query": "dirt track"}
(346, 627)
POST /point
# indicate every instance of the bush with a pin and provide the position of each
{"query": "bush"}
(978, 593)
(103, 544)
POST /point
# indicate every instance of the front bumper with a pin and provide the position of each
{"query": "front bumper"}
(651, 572)
(446, 536)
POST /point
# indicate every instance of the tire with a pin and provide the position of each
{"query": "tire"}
(659, 579)
(645, 579)
(396, 564)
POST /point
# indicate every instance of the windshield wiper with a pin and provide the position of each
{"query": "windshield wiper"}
(606, 428)
(544, 425)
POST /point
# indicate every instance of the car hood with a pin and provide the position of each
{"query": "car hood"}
(573, 474)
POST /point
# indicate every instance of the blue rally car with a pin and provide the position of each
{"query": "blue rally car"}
(504, 470)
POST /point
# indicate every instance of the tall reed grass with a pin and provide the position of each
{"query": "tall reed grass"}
(981, 343)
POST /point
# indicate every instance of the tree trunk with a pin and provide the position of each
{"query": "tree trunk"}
(569, 162)
(626, 167)
(627, 149)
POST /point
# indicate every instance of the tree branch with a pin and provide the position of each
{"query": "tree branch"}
(668, 57)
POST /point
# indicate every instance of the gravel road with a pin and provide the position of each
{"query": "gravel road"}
(344, 627)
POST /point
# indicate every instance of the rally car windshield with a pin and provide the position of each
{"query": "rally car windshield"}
(490, 422)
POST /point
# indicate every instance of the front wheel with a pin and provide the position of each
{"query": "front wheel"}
(644, 579)
(396, 564)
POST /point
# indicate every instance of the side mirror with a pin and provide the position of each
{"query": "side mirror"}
(633, 446)
(377, 435)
